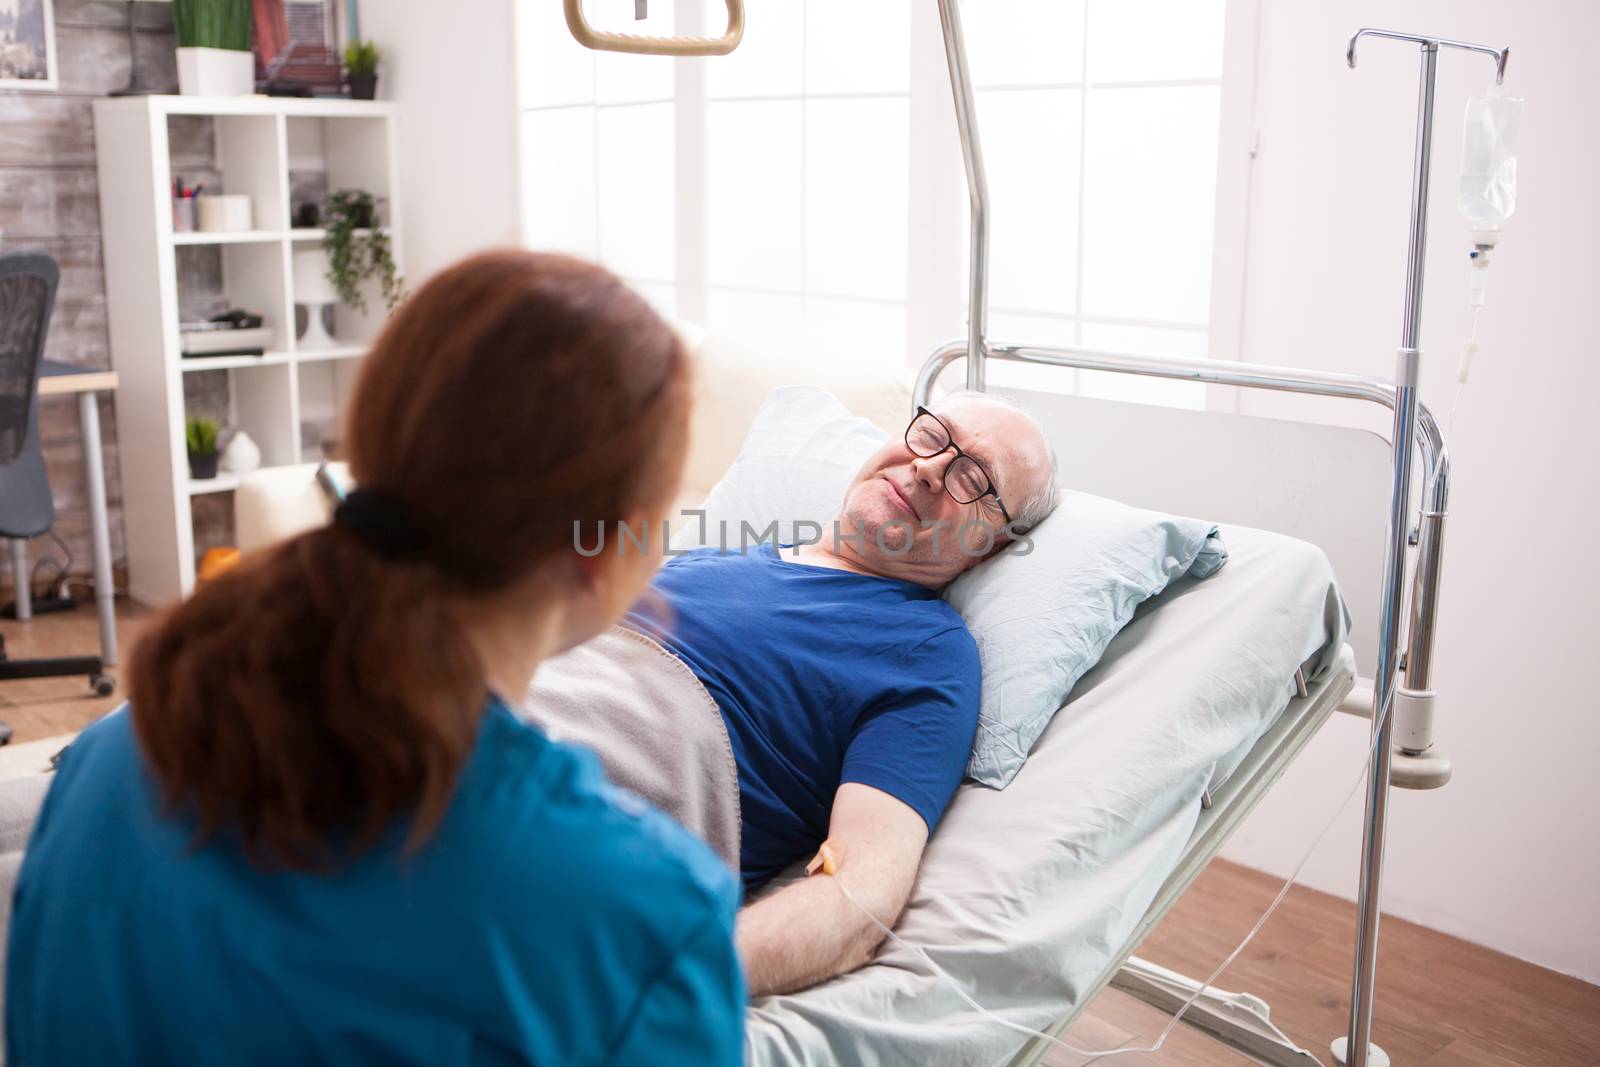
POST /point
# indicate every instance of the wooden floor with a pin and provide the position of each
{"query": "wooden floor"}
(45, 707)
(1441, 1001)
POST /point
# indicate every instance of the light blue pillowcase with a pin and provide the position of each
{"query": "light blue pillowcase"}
(1209, 560)
(1042, 611)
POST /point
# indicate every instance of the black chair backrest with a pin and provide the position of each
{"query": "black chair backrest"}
(27, 296)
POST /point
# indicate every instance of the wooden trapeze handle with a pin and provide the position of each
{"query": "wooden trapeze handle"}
(605, 41)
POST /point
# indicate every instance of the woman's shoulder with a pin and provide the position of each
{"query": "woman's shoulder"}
(107, 750)
(531, 790)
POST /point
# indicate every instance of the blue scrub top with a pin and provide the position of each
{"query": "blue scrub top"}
(823, 677)
(552, 919)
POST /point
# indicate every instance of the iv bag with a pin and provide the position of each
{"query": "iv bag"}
(1488, 192)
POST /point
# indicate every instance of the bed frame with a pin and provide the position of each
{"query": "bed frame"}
(1332, 507)
(1238, 1020)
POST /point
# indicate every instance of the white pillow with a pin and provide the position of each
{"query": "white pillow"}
(796, 462)
(1042, 611)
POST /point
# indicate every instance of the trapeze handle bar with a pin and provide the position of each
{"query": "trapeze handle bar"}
(1499, 55)
(606, 41)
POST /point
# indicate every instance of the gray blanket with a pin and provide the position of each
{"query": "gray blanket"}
(653, 725)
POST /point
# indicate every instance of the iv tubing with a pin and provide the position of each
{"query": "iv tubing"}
(1366, 762)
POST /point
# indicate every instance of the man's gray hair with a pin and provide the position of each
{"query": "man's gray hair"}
(1037, 505)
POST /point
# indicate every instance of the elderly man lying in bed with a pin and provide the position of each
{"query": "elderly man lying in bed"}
(849, 689)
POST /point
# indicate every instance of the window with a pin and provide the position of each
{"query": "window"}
(1100, 122)
(599, 153)
(807, 177)
(772, 192)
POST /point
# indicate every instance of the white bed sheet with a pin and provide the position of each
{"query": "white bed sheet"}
(1025, 893)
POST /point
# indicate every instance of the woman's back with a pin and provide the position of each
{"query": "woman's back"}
(549, 919)
(314, 835)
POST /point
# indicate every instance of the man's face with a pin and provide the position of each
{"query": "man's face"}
(911, 527)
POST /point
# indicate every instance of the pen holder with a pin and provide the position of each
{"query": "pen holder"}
(183, 214)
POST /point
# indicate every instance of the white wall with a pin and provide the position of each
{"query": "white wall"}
(451, 66)
(1508, 854)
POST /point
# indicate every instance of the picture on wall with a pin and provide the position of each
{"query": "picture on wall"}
(295, 45)
(27, 45)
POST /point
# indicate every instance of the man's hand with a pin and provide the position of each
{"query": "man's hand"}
(807, 931)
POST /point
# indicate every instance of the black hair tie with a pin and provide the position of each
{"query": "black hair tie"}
(379, 521)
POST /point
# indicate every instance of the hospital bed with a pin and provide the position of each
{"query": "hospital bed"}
(1032, 920)
(1247, 666)
(1037, 897)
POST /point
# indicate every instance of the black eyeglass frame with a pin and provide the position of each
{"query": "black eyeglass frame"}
(950, 443)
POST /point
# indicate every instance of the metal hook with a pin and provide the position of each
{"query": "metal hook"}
(1499, 55)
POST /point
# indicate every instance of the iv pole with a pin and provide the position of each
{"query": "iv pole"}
(1355, 1049)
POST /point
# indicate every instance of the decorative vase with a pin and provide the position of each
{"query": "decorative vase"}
(313, 291)
(363, 86)
(242, 454)
(216, 72)
(202, 467)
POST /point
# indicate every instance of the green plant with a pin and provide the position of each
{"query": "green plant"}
(358, 248)
(201, 436)
(361, 57)
(212, 24)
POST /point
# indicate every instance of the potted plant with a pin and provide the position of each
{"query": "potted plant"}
(214, 57)
(201, 436)
(361, 69)
(358, 248)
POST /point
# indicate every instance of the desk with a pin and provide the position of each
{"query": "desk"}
(62, 379)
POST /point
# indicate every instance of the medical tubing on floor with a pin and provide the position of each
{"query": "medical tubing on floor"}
(1372, 748)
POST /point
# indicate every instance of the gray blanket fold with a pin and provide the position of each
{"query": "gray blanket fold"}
(653, 725)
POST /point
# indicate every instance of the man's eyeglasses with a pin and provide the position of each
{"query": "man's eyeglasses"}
(965, 479)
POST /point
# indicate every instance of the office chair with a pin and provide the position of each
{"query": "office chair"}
(27, 297)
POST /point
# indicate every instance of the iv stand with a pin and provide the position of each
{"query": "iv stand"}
(1356, 1048)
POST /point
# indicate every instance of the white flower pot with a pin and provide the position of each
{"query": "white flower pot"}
(216, 72)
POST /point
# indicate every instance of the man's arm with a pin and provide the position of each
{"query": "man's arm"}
(808, 931)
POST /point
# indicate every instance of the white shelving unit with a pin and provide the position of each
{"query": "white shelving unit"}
(257, 140)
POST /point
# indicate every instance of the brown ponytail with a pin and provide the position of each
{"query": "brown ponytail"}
(319, 693)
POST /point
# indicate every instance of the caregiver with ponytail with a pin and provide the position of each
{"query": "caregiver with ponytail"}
(318, 833)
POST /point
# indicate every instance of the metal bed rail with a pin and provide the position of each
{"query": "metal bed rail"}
(1416, 771)
(1411, 423)
(1427, 535)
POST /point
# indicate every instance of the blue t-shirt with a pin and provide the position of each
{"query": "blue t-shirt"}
(823, 677)
(551, 919)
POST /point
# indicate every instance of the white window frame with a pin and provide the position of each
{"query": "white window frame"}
(936, 261)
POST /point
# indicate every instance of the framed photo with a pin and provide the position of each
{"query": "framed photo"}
(295, 42)
(27, 44)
